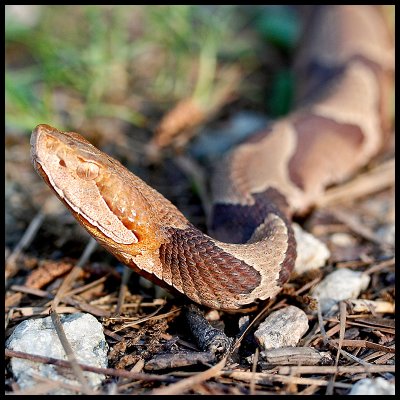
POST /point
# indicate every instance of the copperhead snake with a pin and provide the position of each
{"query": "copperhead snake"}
(340, 121)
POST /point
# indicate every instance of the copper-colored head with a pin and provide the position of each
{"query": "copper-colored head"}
(99, 191)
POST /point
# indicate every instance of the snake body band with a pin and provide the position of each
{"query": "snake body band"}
(345, 68)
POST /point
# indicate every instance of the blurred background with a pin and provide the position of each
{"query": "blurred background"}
(139, 82)
(166, 90)
(70, 65)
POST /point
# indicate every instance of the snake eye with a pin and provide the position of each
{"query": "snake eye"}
(88, 171)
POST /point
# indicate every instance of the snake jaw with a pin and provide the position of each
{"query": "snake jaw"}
(72, 175)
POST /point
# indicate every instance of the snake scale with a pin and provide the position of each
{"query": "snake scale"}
(341, 118)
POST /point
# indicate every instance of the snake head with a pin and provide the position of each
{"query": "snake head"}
(101, 194)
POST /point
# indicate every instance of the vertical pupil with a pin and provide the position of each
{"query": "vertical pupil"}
(88, 171)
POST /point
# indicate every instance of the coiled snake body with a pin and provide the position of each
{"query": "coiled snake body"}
(345, 69)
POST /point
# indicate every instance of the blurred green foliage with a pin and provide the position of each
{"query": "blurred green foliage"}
(279, 25)
(69, 64)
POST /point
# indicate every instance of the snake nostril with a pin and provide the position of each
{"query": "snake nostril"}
(62, 163)
(51, 143)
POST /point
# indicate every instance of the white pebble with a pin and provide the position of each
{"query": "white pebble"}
(311, 252)
(38, 336)
(343, 239)
(377, 386)
(244, 322)
(387, 233)
(282, 328)
(341, 284)
(213, 315)
(295, 356)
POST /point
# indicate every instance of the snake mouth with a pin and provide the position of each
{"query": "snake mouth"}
(33, 142)
(57, 160)
(41, 134)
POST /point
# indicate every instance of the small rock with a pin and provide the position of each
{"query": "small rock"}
(282, 328)
(377, 386)
(244, 322)
(341, 284)
(38, 336)
(387, 233)
(294, 356)
(343, 239)
(179, 360)
(218, 139)
(212, 315)
(311, 252)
